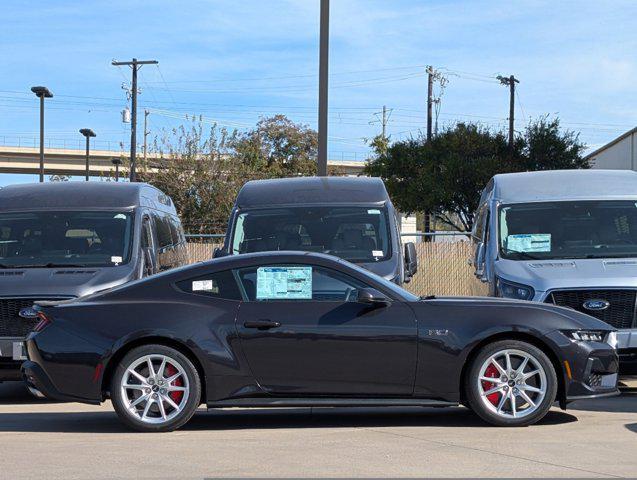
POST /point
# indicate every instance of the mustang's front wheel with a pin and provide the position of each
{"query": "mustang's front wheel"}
(511, 383)
(155, 389)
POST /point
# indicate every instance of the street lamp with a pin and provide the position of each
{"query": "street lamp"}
(88, 133)
(117, 162)
(324, 50)
(42, 93)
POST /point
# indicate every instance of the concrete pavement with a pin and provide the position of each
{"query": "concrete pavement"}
(72, 441)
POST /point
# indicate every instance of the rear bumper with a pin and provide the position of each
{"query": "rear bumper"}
(36, 379)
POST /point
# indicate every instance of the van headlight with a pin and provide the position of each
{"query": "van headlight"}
(507, 289)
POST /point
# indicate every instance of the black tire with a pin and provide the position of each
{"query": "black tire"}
(190, 404)
(473, 396)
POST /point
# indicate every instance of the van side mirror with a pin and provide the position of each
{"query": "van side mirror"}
(411, 259)
(478, 261)
(371, 296)
(218, 253)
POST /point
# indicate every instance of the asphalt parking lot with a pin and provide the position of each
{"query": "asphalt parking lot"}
(54, 440)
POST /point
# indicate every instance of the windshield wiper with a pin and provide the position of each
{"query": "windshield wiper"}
(526, 255)
(52, 265)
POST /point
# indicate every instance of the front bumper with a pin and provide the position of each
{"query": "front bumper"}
(12, 353)
(595, 374)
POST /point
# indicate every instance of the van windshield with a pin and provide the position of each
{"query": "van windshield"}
(357, 234)
(563, 230)
(65, 238)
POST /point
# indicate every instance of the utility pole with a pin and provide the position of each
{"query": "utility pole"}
(384, 122)
(323, 87)
(430, 99)
(135, 65)
(510, 82)
(146, 132)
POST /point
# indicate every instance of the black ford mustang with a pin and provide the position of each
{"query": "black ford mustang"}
(300, 329)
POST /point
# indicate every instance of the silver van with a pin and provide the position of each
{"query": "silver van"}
(62, 240)
(567, 237)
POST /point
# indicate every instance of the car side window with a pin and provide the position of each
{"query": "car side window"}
(298, 283)
(216, 285)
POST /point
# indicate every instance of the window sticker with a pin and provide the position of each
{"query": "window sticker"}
(202, 286)
(529, 242)
(291, 283)
(373, 212)
(116, 260)
(377, 253)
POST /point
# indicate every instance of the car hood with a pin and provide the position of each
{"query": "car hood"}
(61, 282)
(544, 275)
(558, 317)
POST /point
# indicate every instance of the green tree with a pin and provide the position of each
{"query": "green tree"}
(202, 169)
(446, 175)
(278, 147)
(198, 172)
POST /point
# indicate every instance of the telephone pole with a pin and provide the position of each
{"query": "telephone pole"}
(146, 132)
(510, 82)
(430, 100)
(324, 51)
(135, 66)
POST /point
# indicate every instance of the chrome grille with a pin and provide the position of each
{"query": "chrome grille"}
(619, 314)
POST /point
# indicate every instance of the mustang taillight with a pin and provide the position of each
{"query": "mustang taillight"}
(44, 321)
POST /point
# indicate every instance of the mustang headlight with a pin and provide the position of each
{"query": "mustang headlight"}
(507, 289)
(587, 335)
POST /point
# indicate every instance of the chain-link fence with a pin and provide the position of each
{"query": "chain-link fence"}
(443, 266)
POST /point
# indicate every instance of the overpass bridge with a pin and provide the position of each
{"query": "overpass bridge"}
(64, 161)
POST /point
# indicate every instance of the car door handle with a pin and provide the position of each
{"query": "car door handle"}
(261, 324)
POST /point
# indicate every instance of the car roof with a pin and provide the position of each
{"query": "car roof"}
(552, 185)
(312, 190)
(83, 195)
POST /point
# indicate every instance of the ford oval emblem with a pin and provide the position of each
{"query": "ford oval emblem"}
(28, 312)
(596, 304)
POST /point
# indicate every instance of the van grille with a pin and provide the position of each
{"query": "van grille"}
(619, 314)
(12, 324)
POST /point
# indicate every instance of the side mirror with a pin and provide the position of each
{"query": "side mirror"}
(478, 261)
(372, 296)
(218, 253)
(411, 259)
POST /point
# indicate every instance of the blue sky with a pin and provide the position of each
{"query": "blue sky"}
(234, 61)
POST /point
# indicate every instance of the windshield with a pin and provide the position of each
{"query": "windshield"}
(65, 238)
(357, 234)
(562, 230)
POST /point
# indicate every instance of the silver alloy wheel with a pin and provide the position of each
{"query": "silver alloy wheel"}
(155, 389)
(512, 383)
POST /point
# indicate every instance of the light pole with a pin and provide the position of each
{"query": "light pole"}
(117, 162)
(42, 93)
(323, 87)
(88, 133)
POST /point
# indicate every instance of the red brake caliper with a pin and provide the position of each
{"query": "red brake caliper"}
(175, 396)
(491, 371)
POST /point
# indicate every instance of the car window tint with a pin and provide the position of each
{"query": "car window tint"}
(217, 285)
(298, 283)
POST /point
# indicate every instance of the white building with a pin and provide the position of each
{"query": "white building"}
(619, 154)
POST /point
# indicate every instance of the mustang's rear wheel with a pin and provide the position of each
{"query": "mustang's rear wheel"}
(155, 389)
(511, 383)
